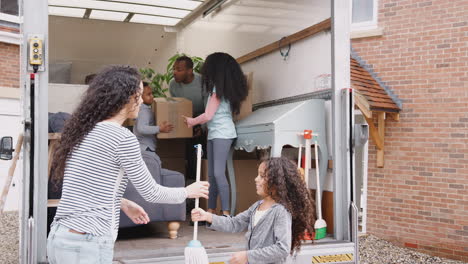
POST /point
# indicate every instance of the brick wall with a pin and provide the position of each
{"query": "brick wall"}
(420, 198)
(9, 65)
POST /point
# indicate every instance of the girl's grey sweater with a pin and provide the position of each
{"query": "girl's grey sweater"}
(269, 241)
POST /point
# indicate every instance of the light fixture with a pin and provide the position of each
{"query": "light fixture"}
(213, 7)
(181, 4)
(157, 20)
(108, 15)
(67, 12)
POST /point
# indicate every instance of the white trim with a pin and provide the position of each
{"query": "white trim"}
(11, 93)
(10, 38)
(375, 32)
(10, 18)
(365, 163)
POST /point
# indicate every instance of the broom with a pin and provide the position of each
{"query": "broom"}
(320, 225)
(195, 253)
(305, 172)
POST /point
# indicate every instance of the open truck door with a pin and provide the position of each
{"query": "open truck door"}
(342, 248)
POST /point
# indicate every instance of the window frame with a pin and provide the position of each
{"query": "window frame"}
(10, 18)
(10, 21)
(366, 25)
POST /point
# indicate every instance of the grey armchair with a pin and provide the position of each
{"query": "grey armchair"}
(171, 213)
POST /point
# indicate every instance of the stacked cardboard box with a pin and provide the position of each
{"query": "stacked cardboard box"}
(172, 154)
(246, 105)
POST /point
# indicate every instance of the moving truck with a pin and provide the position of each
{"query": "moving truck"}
(296, 50)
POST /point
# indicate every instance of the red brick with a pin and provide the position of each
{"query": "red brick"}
(423, 62)
(9, 65)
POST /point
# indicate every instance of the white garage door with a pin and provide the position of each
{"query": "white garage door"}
(10, 125)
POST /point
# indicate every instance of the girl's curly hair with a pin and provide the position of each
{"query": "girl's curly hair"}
(287, 188)
(222, 71)
(107, 94)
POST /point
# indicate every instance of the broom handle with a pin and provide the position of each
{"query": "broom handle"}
(299, 157)
(317, 174)
(307, 162)
(197, 200)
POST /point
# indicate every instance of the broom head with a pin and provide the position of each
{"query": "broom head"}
(195, 253)
(320, 229)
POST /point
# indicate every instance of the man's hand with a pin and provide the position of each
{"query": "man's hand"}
(135, 212)
(165, 127)
(239, 258)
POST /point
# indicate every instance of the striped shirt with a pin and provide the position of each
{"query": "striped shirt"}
(96, 175)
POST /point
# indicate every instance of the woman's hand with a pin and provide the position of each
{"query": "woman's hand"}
(187, 121)
(198, 190)
(135, 212)
(239, 258)
(199, 214)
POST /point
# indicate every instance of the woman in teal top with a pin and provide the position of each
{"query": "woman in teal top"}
(224, 81)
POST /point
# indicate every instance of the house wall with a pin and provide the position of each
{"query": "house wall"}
(9, 65)
(420, 198)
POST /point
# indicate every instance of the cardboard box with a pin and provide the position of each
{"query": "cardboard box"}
(246, 105)
(246, 171)
(172, 109)
(327, 210)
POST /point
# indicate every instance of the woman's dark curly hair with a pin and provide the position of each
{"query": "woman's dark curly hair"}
(222, 71)
(107, 94)
(286, 186)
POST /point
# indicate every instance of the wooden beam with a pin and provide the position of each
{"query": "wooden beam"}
(363, 104)
(55, 136)
(53, 202)
(381, 128)
(312, 30)
(395, 116)
(11, 173)
(374, 133)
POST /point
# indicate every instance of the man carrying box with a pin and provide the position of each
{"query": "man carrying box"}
(188, 84)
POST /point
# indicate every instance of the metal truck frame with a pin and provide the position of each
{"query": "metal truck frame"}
(34, 88)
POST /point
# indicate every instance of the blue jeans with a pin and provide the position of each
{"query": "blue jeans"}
(66, 247)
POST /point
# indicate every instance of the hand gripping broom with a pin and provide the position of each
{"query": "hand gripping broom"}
(195, 253)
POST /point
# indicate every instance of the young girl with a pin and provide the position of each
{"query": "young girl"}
(224, 80)
(276, 224)
(96, 158)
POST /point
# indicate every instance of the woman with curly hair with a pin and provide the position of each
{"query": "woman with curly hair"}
(224, 81)
(276, 224)
(96, 157)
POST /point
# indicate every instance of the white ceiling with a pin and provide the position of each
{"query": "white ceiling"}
(261, 16)
(275, 16)
(159, 12)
